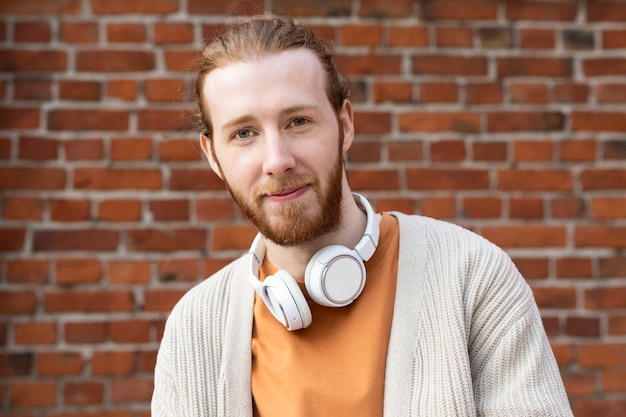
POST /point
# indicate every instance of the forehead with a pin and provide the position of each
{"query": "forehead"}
(264, 84)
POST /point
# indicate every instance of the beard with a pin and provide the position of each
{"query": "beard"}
(297, 222)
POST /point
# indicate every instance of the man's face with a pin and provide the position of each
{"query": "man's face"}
(278, 143)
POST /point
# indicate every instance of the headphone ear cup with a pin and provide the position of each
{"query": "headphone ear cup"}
(286, 302)
(335, 276)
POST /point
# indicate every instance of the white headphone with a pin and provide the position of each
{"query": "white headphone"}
(334, 277)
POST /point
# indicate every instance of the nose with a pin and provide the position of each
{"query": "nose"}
(279, 157)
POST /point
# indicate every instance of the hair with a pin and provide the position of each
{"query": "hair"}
(261, 36)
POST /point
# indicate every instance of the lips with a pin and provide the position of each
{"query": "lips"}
(288, 194)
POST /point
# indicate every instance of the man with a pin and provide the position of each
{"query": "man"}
(388, 314)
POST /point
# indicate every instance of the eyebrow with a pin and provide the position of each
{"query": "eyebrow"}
(247, 118)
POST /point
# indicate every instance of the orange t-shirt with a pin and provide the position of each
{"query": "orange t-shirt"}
(336, 366)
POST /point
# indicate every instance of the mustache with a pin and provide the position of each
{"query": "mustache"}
(277, 185)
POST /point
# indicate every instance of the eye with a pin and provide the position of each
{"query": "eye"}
(243, 134)
(298, 121)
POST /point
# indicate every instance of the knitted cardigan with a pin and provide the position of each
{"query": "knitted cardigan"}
(466, 337)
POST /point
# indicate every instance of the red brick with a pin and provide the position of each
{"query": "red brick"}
(562, 208)
(231, 238)
(446, 179)
(13, 238)
(33, 60)
(114, 61)
(600, 236)
(179, 150)
(208, 209)
(439, 92)
(532, 150)
(28, 271)
(607, 179)
(131, 390)
(130, 331)
(78, 271)
(371, 64)
(408, 36)
(227, 7)
(449, 65)
(36, 148)
(571, 93)
(79, 32)
(32, 89)
(532, 268)
(86, 332)
(41, 7)
(614, 39)
(147, 360)
(122, 210)
(382, 8)
(126, 32)
(128, 272)
(453, 36)
(578, 150)
(496, 37)
(163, 120)
(309, 7)
(608, 208)
(363, 151)
(601, 355)
(563, 354)
(82, 120)
(116, 179)
(582, 326)
(535, 66)
(529, 93)
(181, 60)
(166, 239)
(131, 149)
(612, 267)
(59, 363)
(617, 324)
(594, 67)
(380, 180)
(373, 122)
(164, 89)
(534, 38)
(491, 151)
(511, 121)
(161, 300)
(599, 407)
(405, 151)
(17, 302)
(79, 90)
(19, 118)
(136, 6)
(526, 208)
(572, 267)
(170, 210)
(447, 151)
(483, 93)
(535, 180)
(31, 32)
(29, 333)
(392, 91)
(459, 10)
(579, 384)
(125, 90)
(525, 236)
(22, 208)
(611, 93)
(605, 298)
(599, 121)
(482, 207)
(178, 270)
(80, 239)
(361, 34)
(169, 33)
(610, 11)
(15, 364)
(83, 392)
(89, 301)
(555, 297)
(424, 121)
(438, 207)
(194, 179)
(83, 149)
(32, 394)
(614, 381)
(536, 10)
(69, 210)
(115, 363)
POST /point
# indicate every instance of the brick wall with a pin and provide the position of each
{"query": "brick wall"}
(506, 117)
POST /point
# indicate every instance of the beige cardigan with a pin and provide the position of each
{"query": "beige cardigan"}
(466, 337)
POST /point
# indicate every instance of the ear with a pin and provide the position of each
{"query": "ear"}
(347, 120)
(205, 144)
